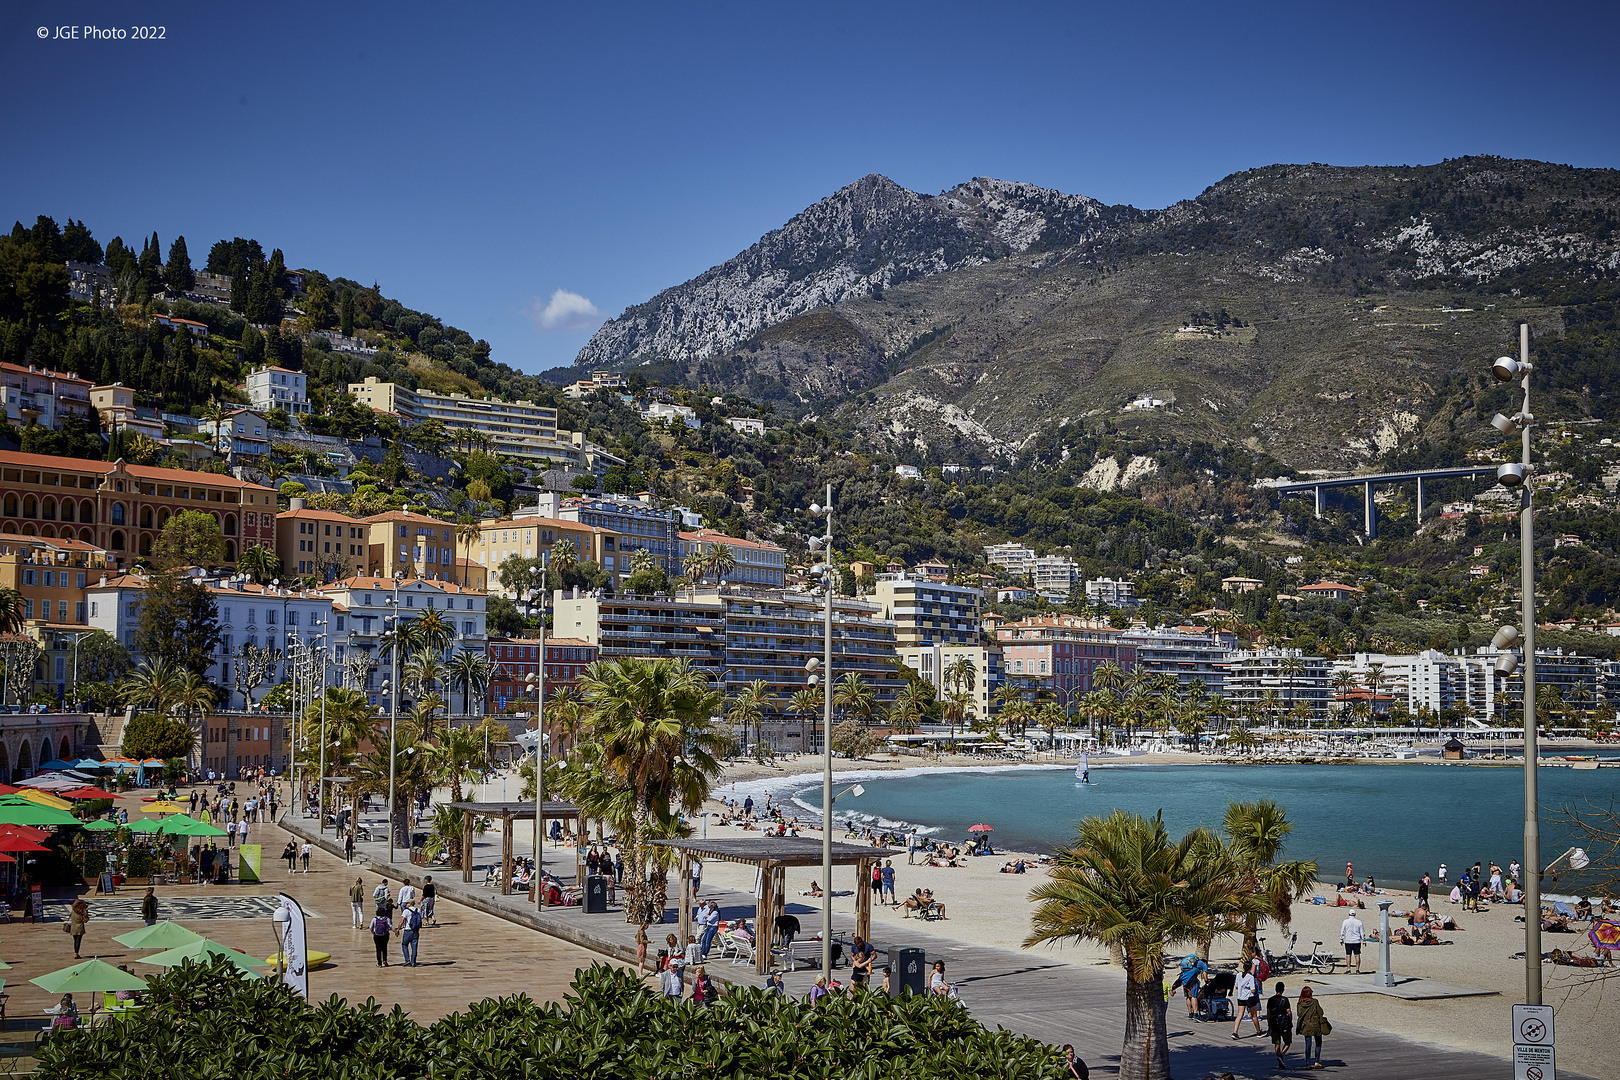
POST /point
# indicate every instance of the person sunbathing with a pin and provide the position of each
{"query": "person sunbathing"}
(914, 902)
(1555, 924)
(1569, 959)
(815, 889)
(928, 898)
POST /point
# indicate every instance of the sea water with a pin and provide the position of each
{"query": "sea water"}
(1394, 822)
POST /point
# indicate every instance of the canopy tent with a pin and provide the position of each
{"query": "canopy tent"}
(182, 825)
(771, 856)
(88, 763)
(163, 806)
(53, 782)
(19, 843)
(162, 935)
(45, 798)
(144, 825)
(56, 764)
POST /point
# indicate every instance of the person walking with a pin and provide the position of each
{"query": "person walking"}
(149, 907)
(773, 983)
(430, 898)
(1442, 873)
(407, 894)
(381, 929)
(1351, 934)
(888, 882)
(1280, 1022)
(670, 981)
(1423, 891)
(290, 853)
(384, 899)
(1313, 1024)
(704, 990)
(1247, 995)
(357, 898)
(641, 950)
(78, 922)
(911, 848)
(410, 932)
(862, 954)
(348, 847)
(303, 854)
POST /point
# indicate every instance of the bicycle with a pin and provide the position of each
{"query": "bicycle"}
(1318, 963)
(1279, 965)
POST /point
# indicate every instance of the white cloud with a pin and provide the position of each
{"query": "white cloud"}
(565, 311)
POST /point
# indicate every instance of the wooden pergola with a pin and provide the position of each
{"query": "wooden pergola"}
(507, 813)
(771, 856)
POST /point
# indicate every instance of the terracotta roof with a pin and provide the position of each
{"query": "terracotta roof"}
(711, 536)
(61, 376)
(50, 541)
(307, 512)
(144, 472)
(386, 584)
(121, 581)
(1329, 585)
(406, 515)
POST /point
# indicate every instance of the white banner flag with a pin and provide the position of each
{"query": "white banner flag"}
(294, 947)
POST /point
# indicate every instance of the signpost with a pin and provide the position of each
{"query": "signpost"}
(1533, 1054)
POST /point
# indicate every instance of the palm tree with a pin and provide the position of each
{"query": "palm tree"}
(471, 671)
(12, 610)
(564, 555)
(156, 684)
(912, 705)
(1136, 703)
(696, 566)
(424, 718)
(1344, 681)
(1290, 666)
(748, 709)
(461, 758)
(260, 562)
(722, 560)
(432, 631)
(423, 671)
(196, 695)
(853, 697)
(1109, 677)
(651, 720)
(806, 703)
(1125, 884)
(960, 674)
(469, 534)
(1255, 834)
(1099, 704)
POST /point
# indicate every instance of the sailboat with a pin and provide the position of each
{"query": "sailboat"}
(1082, 771)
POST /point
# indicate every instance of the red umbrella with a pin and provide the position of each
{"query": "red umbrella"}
(7, 789)
(6, 858)
(18, 843)
(88, 793)
(27, 832)
(980, 828)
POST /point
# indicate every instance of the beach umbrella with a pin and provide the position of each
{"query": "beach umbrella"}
(163, 806)
(101, 825)
(152, 762)
(144, 825)
(7, 789)
(88, 763)
(56, 764)
(202, 950)
(27, 832)
(1605, 934)
(45, 798)
(18, 843)
(90, 977)
(980, 828)
(54, 782)
(178, 824)
(163, 935)
(203, 828)
(89, 793)
(29, 813)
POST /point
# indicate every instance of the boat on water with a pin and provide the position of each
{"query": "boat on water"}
(1082, 771)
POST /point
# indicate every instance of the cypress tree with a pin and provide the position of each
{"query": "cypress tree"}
(346, 314)
(178, 271)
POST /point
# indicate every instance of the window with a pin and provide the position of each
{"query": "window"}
(467, 629)
(28, 577)
(80, 580)
(269, 616)
(95, 609)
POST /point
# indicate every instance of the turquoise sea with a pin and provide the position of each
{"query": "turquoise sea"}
(1394, 822)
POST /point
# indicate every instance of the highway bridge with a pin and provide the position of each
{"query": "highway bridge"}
(1368, 480)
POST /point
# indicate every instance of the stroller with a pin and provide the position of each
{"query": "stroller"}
(1214, 997)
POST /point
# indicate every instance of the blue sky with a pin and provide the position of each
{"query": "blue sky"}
(476, 159)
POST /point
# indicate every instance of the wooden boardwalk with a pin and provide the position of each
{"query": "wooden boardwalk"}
(1029, 992)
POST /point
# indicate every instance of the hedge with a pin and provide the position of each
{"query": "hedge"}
(207, 1021)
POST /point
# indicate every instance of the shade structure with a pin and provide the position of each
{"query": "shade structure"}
(27, 832)
(182, 825)
(88, 763)
(89, 793)
(1605, 934)
(53, 783)
(8, 789)
(144, 825)
(201, 951)
(24, 812)
(101, 825)
(203, 828)
(4, 966)
(90, 977)
(6, 858)
(57, 764)
(163, 806)
(981, 827)
(18, 843)
(45, 798)
(163, 935)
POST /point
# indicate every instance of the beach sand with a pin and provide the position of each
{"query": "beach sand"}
(989, 908)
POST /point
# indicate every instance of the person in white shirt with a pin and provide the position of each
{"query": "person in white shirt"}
(1247, 995)
(1351, 932)
(407, 893)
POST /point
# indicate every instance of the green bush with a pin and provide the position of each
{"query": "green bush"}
(208, 1021)
(141, 862)
(95, 864)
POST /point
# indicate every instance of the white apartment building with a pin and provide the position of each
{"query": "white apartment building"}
(932, 661)
(1295, 679)
(521, 428)
(758, 564)
(364, 604)
(928, 612)
(32, 395)
(1014, 558)
(744, 425)
(277, 388)
(1055, 574)
(661, 412)
(1120, 593)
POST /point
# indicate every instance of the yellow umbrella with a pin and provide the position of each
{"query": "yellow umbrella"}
(45, 798)
(163, 806)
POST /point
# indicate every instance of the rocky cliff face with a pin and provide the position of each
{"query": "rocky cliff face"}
(864, 238)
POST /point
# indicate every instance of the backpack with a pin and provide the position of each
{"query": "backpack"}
(414, 921)
(380, 927)
(1262, 970)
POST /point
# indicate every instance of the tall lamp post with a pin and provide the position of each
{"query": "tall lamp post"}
(824, 569)
(537, 679)
(1517, 475)
(393, 708)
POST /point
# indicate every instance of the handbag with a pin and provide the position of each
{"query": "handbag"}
(1327, 1028)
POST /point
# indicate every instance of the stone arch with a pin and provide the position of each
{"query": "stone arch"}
(163, 518)
(87, 511)
(230, 551)
(146, 544)
(47, 509)
(87, 536)
(25, 760)
(28, 528)
(8, 527)
(230, 524)
(117, 513)
(5, 763)
(30, 506)
(67, 750)
(117, 540)
(11, 505)
(47, 530)
(146, 517)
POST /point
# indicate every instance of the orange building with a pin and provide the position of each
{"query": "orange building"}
(325, 543)
(120, 508)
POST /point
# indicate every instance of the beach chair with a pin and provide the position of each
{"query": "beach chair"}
(744, 949)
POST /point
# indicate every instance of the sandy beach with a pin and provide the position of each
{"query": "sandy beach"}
(990, 908)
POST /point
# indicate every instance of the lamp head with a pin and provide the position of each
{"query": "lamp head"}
(1511, 475)
(812, 664)
(1506, 369)
(1505, 638)
(1507, 425)
(815, 510)
(857, 791)
(1507, 663)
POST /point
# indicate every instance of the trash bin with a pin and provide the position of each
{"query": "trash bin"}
(596, 895)
(910, 975)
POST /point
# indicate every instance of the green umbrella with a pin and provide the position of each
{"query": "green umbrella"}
(101, 825)
(178, 823)
(163, 935)
(202, 950)
(27, 812)
(4, 966)
(202, 828)
(144, 825)
(90, 977)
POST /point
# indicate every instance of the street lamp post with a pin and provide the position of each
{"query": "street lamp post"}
(393, 710)
(76, 639)
(1517, 475)
(823, 543)
(537, 679)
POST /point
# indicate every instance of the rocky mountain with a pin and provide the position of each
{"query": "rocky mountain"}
(1318, 313)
